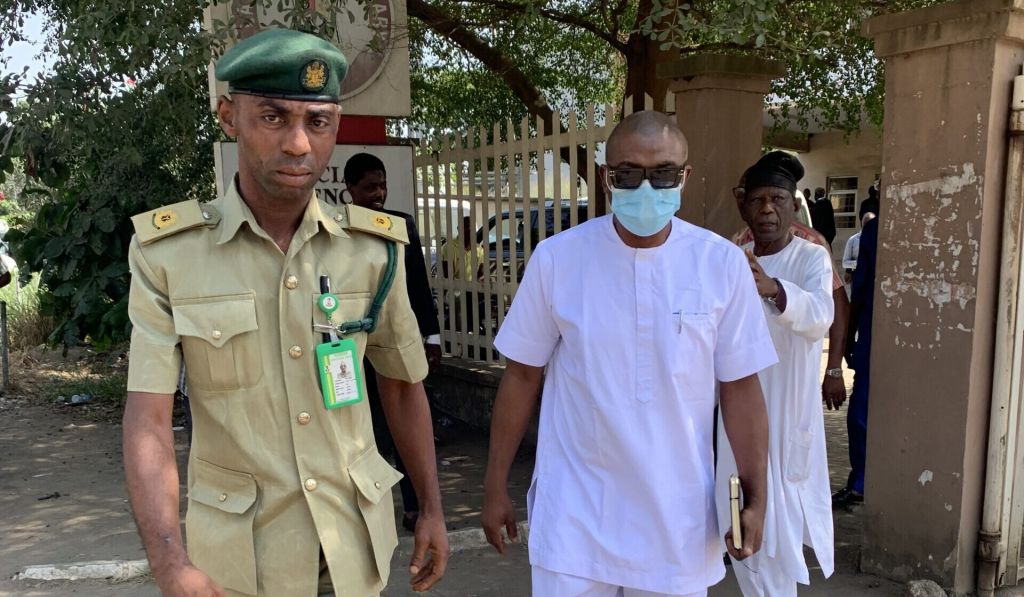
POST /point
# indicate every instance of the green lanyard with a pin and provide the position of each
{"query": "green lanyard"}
(328, 303)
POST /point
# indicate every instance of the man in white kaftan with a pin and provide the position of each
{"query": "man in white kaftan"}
(794, 277)
(635, 316)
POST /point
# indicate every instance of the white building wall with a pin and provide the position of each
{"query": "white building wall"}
(831, 155)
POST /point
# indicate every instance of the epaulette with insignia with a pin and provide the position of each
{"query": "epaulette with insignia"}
(374, 222)
(171, 219)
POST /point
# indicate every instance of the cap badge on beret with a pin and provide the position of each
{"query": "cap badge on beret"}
(314, 75)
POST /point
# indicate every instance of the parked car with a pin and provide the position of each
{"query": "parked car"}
(499, 231)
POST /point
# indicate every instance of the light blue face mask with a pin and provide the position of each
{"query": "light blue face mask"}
(645, 210)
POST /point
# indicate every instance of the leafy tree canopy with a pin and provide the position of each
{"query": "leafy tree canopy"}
(602, 49)
(119, 121)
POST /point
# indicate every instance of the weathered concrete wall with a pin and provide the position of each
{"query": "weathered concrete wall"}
(948, 76)
(720, 108)
(465, 390)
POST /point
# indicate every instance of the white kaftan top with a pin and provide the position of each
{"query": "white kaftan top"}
(633, 341)
(799, 498)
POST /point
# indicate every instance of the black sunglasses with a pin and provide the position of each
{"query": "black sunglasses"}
(662, 177)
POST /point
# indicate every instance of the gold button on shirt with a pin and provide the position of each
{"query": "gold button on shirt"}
(248, 345)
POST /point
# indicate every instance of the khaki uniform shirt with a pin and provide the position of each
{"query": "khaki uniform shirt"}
(273, 475)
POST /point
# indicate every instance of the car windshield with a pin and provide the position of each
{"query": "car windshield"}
(505, 230)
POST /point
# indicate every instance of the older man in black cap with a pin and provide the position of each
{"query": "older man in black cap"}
(794, 278)
(272, 298)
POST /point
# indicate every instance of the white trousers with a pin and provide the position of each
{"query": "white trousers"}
(554, 584)
(761, 576)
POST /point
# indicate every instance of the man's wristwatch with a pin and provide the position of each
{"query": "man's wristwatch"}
(837, 372)
(771, 300)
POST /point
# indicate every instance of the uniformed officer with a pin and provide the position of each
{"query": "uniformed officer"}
(288, 495)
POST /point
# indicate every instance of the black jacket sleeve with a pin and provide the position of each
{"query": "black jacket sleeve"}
(417, 282)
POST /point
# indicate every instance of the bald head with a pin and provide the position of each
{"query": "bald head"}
(647, 127)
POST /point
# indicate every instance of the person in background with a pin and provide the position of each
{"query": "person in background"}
(853, 245)
(366, 181)
(872, 204)
(803, 213)
(823, 217)
(457, 255)
(862, 298)
(794, 277)
(630, 320)
(457, 258)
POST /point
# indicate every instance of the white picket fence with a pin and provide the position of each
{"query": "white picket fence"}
(511, 184)
(516, 185)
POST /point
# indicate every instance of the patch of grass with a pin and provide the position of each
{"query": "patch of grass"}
(109, 386)
(44, 374)
(26, 326)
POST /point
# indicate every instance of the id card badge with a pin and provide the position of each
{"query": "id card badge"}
(340, 374)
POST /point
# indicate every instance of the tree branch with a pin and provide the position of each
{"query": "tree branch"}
(504, 67)
(558, 17)
(715, 47)
(620, 11)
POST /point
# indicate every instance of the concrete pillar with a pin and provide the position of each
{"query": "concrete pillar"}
(948, 75)
(720, 108)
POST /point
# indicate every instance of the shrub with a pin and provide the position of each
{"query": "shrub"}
(27, 327)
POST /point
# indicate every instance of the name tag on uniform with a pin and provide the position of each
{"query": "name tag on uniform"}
(340, 374)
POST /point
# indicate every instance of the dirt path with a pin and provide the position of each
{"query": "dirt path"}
(61, 489)
(62, 494)
(61, 481)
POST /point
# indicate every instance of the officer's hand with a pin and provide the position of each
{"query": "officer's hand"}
(833, 392)
(497, 513)
(188, 581)
(433, 356)
(752, 520)
(431, 536)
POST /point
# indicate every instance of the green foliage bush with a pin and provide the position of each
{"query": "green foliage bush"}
(145, 147)
(27, 327)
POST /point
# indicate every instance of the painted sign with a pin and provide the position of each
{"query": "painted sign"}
(372, 34)
(397, 160)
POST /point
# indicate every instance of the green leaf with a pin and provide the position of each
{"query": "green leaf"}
(114, 270)
(64, 290)
(105, 220)
(55, 247)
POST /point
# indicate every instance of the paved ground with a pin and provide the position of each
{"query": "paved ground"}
(62, 498)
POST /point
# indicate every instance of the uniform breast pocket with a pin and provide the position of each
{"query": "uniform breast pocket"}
(352, 306)
(219, 338)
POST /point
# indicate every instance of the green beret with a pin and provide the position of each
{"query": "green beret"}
(284, 63)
